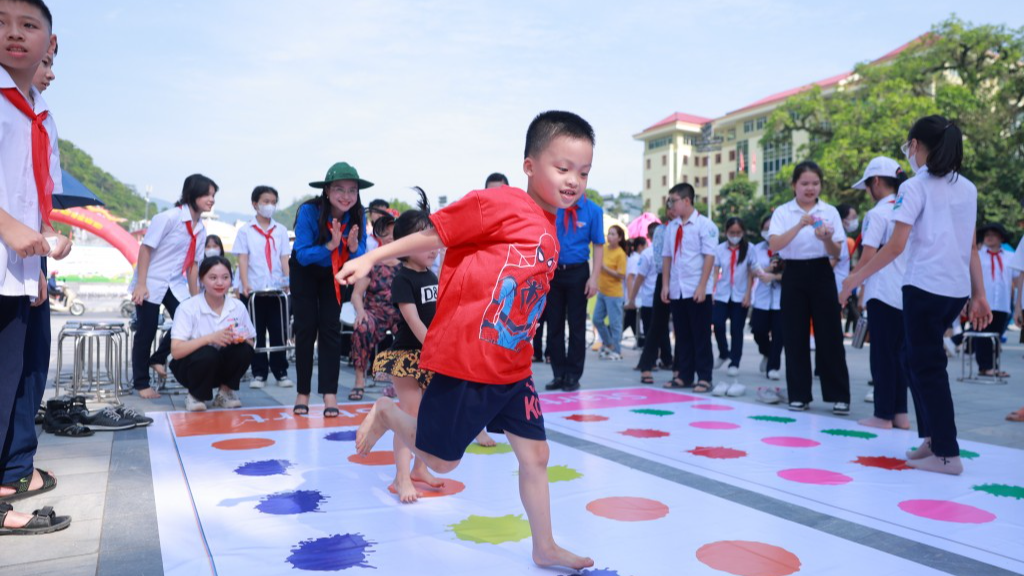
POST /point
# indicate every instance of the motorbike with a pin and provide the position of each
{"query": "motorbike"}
(68, 302)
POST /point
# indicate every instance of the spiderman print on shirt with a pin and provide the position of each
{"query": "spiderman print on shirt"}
(520, 293)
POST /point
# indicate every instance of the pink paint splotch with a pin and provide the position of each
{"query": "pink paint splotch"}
(644, 433)
(947, 511)
(815, 476)
(714, 425)
(597, 399)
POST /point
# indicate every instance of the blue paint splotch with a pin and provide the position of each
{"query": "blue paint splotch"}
(264, 468)
(341, 436)
(298, 502)
(338, 552)
(595, 572)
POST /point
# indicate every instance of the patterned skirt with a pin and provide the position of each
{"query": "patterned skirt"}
(403, 364)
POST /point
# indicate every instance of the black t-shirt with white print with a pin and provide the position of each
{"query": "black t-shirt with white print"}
(419, 288)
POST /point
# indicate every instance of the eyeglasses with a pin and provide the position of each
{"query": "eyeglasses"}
(905, 148)
(340, 189)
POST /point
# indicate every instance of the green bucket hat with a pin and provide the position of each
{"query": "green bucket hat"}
(342, 171)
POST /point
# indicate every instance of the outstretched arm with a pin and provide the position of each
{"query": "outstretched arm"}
(360, 267)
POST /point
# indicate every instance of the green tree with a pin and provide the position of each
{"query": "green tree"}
(400, 205)
(286, 215)
(121, 199)
(595, 196)
(741, 199)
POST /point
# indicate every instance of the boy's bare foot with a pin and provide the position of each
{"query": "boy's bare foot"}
(407, 493)
(149, 393)
(942, 465)
(923, 451)
(558, 556)
(373, 426)
(427, 478)
(876, 423)
(484, 439)
(901, 421)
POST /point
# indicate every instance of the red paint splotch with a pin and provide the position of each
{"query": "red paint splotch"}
(644, 433)
(883, 462)
(586, 418)
(717, 452)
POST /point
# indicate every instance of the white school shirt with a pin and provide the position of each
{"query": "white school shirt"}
(1017, 260)
(700, 237)
(943, 212)
(805, 245)
(169, 239)
(632, 265)
(253, 243)
(195, 319)
(998, 278)
(371, 242)
(649, 267)
(886, 285)
(842, 268)
(18, 195)
(767, 295)
(732, 286)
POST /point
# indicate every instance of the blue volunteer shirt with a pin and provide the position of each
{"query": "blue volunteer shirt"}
(307, 251)
(574, 245)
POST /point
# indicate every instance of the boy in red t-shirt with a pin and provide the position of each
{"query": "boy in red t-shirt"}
(502, 251)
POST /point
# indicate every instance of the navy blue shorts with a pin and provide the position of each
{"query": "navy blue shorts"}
(454, 411)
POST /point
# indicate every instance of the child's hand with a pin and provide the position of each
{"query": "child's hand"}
(806, 220)
(354, 270)
(221, 338)
(63, 246)
(848, 285)
(664, 294)
(699, 296)
(979, 313)
(24, 241)
(140, 294)
(353, 239)
(823, 232)
(42, 296)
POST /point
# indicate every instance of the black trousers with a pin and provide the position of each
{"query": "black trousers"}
(268, 311)
(317, 320)
(767, 328)
(148, 316)
(888, 370)
(736, 314)
(14, 396)
(984, 353)
(692, 324)
(567, 301)
(926, 317)
(204, 370)
(538, 337)
(631, 320)
(809, 294)
(657, 340)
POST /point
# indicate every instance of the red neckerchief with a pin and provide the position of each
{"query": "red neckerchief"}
(996, 257)
(732, 264)
(679, 240)
(190, 256)
(338, 258)
(40, 151)
(570, 213)
(270, 241)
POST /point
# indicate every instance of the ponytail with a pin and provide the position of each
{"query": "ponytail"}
(944, 141)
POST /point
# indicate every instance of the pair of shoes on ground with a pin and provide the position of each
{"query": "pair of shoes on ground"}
(770, 395)
(69, 416)
(839, 408)
(734, 389)
(224, 399)
(43, 521)
(732, 370)
(607, 354)
(261, 382)
(565, 384)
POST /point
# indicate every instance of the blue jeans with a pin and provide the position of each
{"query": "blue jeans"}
(609, 307)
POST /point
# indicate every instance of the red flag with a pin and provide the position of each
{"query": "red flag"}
(743, 168)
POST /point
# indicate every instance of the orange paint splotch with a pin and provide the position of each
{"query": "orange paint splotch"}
(243, 444)
(586, 418)
(883, 462)
(426, 491)
(381, 458)
(628, 509)
(746, 558)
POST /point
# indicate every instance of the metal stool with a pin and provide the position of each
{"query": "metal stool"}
(967, 359)
(122, 336)
(96, 366)
(284, 308)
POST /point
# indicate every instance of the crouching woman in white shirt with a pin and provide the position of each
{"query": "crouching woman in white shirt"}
(212, 340)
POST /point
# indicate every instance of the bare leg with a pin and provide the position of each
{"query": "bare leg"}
(533, 491)
(876, 423)
(402, 484)
(330, 400)
(385, 416)
(34, 484)
(902, 421)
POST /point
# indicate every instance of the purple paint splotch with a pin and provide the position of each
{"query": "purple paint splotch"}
(341, 436)
(264, 468)
(298, 502)
(595, 572)
(338, 552)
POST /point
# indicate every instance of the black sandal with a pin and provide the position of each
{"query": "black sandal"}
(676, 383)
(356, 394)
(75, 430)
(702, 387)
(21, 487)
(647, 379)
(300, 410)
(43, 521)
(331, 412)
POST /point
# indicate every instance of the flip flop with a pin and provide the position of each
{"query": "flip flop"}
(21, 487)
(43, 521)
(331, 412)
(702, 387)
(647, 379)
(675, 384)
(300, 409)
(356, 394)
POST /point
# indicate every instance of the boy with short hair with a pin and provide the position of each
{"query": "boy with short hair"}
(28, 138)
(502, 254)
(688, 254)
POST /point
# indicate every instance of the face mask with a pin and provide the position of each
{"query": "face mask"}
(764, 234)
(266, 210)
(912, 158)
(734, 240)
(212, 252)
(851, 225)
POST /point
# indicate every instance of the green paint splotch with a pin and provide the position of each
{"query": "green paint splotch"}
(1002, 490)
(779, 419)
(562, 474)
(968, 454)
(501, 448)
(653, 412)
(849, 433)
(492, 529)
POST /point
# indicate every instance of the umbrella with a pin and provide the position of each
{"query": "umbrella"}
(75, 194)
(639, 226)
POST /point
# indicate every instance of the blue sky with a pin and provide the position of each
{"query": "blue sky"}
(431, 93)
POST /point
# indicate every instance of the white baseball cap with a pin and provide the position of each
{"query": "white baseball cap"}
(880, 166)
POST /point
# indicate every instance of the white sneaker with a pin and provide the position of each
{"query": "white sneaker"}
(613, 356)
(764, 364)
(720, 389)
(193, 405)
(227, 400)
(813, 345)
(258, 382)
(736, 389)
(285, 382)
(719, 362)
(603, 354)
(870, 396)
(733, 371)
(767, 395)
(950, 347)
(774, 375)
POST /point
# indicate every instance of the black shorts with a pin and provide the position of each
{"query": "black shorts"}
(454, 411)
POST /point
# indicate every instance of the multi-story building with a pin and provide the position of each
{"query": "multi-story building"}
(673, 151)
